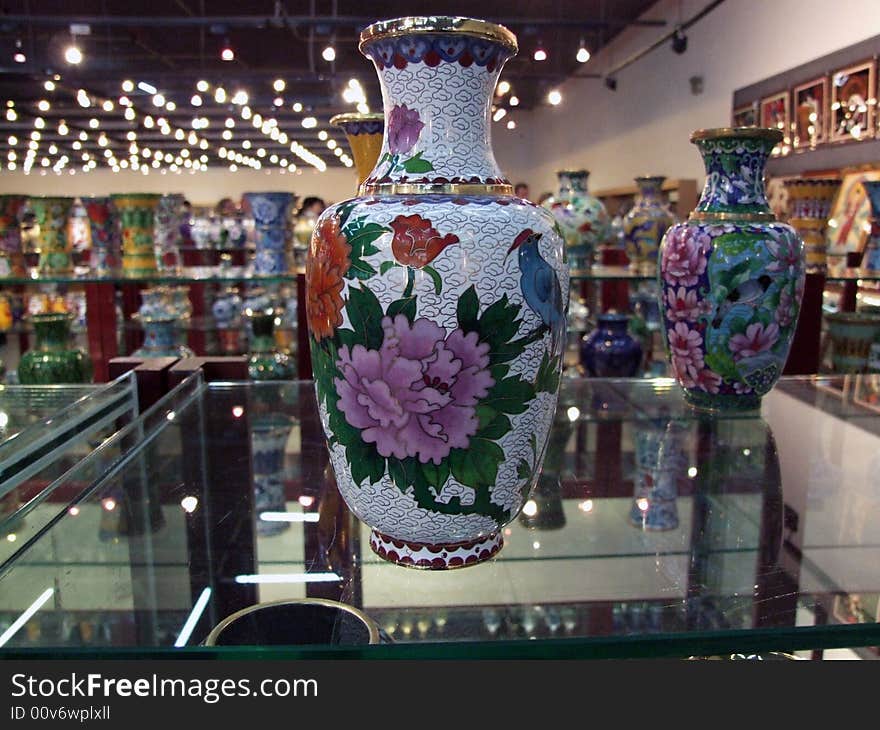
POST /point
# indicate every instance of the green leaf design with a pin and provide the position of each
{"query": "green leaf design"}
(386, 266)
(344, 211)
(477, 465)
(438, 282)
(365, 314)
(498, 323)
(510, 395)
(360, 235)
(405, 306)
(468, 310)
(549, 372)
(523, 470)
(722, 363)
(738, 325)
(436, 475)
(417, 164)
(496, 428)
(365, 461)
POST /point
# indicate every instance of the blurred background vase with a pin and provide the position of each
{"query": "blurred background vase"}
(665, 462)
(645, 223)
(103, 224)
(269, 434)
(871, 257)
(11, 252)
(265, 360)
(852, 334)
(168, 231)
(364, 134)
(137, 218)
(271, 214)
(583, 219)
(53, 360)
(610, 351)
(51, 215)
(809, 205)
(161, 340)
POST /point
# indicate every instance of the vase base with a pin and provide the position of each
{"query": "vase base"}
(725, 403)
(438, 556)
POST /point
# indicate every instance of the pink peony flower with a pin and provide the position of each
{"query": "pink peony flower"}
(685, 345)
(708, 380)
(684, 372)
(404, 128)
(685, 256)
(785, 310)
(756, 339)
(787, 254)
(416, 395)
(682, 305)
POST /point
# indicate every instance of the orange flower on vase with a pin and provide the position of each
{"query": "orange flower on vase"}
(327, 264)
(416, 242)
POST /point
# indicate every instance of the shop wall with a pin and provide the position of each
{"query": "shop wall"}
(643, 127)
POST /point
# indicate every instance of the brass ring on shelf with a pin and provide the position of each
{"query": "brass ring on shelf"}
(438, 24)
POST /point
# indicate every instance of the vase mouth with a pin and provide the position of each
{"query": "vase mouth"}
(410, 25)
(774, 135)
(573, 173)
(348, 117)
(650, 178)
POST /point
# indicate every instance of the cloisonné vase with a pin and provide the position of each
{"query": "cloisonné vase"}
(731, 278)
(662, 464)
(610, 351)
(871, 257)
(51, 215)
(168, 235)
(271, 214)
(645, 223)
(105, 233)
(137, 217)
(53, 360)
(852, 334)
(269, 434)
(809, 205)
(436, 309)
(265, 361)
(161, 339)
(364, 133)
(582, 217)
(11, 253)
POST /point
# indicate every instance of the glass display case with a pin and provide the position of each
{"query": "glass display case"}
(654, 530)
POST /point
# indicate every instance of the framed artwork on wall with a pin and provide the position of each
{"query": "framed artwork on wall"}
(848, 224)
(852, 117)
(746, 115)
(775, 114)
(810, 113)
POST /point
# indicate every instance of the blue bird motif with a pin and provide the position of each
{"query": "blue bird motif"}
(540, 284)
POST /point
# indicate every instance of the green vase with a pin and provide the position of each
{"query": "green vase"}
(53, 360)
(51, 214)
(265, 361)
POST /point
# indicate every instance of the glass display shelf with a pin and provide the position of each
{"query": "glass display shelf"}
(769, 542)
(186, 275)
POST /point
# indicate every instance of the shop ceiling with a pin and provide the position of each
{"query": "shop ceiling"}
(172, 45)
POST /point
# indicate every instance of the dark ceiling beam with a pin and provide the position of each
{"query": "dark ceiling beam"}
(263, 21)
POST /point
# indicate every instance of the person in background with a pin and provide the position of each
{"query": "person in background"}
(521, 190)
(312, 207)
(544, 196)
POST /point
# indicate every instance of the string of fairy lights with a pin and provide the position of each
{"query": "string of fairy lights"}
(135, 131)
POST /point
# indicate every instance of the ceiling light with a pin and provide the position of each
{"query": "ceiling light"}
(331, 144)
(11, 115)
(49, 86)
(503, 88)
(583, 55)
(499, 114)
(679, 41)
(329, 53)
(124, 101)
(62, 128)
(83, 99)
(129, 114)
(279, 85)
(514, 101)
(246, 144)
(511, 124)
(179, 135)
(220, 95)
(131, 136)
(19, 56)
(128, 86)
(148, 122)
(540, 53)
(170, 106)
(245, 112)
(39, 123)
(203, 86)
(257, 120)
(240, 98)
(309, 122)
(227, 134)
(338, 152)
(554, 97)
(93, 123)
(43, 105)
(12, 141)
(611, 83)
(278, 101)
(226, 53)
(107, 106)
(363, 108)
(158, 100)
(53, 150)
(297, 107)
(83, 136)
(73, 55)
(230, 122)
(322, 135)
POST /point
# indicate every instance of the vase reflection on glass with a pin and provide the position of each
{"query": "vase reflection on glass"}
(731, 278)
(582, 217)
(610, 351)
(364, 135)
(11, 252)
(271, 214)
(53, 360)
(51, 215)
(439, 294)
(664, 462)
(265, 360)
(269, 434)
(645, 223)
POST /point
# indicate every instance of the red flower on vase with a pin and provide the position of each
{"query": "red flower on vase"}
(416, 242)
(326, 266)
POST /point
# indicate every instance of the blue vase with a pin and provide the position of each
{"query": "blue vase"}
(609, 351)
(271, 213)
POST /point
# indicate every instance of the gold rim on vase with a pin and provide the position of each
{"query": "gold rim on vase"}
(774, 135)
(436, 189)
(707, 215)
(438, 24)
(345, 118)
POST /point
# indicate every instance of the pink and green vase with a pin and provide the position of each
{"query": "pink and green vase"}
(436, 309)
(731, 278)
(51, 215)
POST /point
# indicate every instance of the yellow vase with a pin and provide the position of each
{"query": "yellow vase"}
(809, 205)
(364, 133)
(137, 216)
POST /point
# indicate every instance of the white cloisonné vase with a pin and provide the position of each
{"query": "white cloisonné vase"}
(435, 304)
(582, 217)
